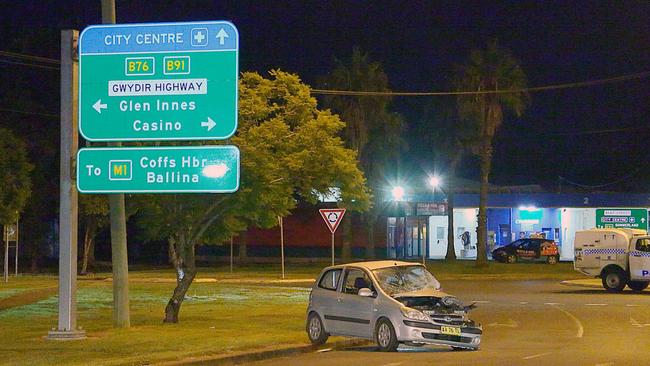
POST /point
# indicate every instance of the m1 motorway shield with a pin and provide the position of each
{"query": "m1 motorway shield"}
(159, 81)
(174, 169)
(630, 218)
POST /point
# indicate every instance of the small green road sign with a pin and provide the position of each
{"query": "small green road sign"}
(187, 169)
(630, 218)
(158, 81)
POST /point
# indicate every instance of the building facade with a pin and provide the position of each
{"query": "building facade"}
(510, 216)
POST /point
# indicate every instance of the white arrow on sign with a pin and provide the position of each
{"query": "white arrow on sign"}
(99, 106)
(209, 124)
(222, 35)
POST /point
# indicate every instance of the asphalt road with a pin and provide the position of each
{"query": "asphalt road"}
(526, 323)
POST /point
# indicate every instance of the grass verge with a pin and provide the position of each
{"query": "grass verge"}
(215, 319)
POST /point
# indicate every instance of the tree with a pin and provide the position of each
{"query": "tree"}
(381, 156)
(93, 211)
(15, 182)
(31, 98)
(493, 70)
(370, 129)
(451, 138)
(280, 134)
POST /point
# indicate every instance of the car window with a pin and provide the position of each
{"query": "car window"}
(355, 280)
(330, 279)
(643, 245)
(515, 243)
(524, 244)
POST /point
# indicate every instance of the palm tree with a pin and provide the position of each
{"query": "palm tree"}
(496, 71)
(451, 138)
(370, 128)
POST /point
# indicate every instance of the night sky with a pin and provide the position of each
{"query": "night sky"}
(561, 134)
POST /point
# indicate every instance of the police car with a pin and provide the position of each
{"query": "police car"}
(619, 256)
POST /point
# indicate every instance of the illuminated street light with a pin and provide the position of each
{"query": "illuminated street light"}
(398, 193)
(435, 181)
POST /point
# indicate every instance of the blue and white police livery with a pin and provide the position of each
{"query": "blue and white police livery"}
(619, 256)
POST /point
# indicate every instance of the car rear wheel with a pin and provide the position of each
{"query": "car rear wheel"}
(315, 330)
(511, 258)
(385, 336)
(638, 286)
(552, 259)
(614, 280)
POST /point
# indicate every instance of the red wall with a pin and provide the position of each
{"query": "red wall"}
(306, 228)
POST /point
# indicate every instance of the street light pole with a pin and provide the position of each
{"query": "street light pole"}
(436, 182)
(398, 195)
(68, 210)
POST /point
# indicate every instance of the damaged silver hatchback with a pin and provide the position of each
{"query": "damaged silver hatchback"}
(390, 302)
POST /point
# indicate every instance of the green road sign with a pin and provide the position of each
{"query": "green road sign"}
(188, 169)
(159, 81)
(630, 218)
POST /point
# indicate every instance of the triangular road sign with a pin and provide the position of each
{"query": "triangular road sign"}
(332, 217)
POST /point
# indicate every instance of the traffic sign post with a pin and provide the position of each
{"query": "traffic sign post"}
(187, 169)
(159, 81)
(332, 218)
(152, 82)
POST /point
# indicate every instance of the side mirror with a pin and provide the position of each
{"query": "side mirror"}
(366, 292)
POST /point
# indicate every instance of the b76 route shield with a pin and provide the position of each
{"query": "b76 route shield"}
(160, 81)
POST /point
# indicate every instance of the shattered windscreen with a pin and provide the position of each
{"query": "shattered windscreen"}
(401, 279)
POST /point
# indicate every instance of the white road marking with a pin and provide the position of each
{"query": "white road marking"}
(324, 350)
(510, 324)
(595, 304)
(635, 323)
(392, 364)
(481, 301)
(580, 330)
(604, 364)
(632, 305)
(535, 356)
(553, 303)
(523, 302)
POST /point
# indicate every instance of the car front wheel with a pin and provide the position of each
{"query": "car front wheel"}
(385, 336)
(637, 286)
(511, 258)
(315, 330)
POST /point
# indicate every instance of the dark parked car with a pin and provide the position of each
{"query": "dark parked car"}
(528, 250)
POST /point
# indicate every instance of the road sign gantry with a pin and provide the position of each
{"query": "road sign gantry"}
(159, 81)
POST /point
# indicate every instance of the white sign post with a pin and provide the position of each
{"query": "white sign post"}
(332, 217)
(281, 224)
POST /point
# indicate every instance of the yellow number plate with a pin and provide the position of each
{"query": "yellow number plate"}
(450, 330)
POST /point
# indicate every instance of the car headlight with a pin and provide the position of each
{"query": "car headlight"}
(414, 314)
